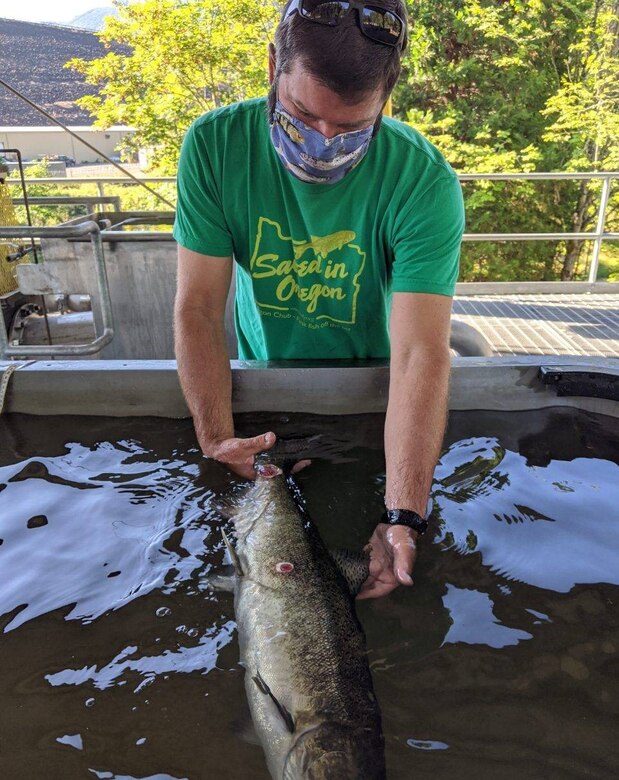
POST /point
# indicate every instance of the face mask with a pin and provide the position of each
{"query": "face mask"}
(311, 156)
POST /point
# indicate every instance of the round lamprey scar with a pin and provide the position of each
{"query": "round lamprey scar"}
(284, 567)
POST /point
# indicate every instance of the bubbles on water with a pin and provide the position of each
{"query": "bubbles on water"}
(183, 629)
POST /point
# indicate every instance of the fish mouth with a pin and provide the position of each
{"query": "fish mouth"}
(268, 470)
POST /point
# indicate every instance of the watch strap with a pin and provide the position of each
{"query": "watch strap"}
(406, 517)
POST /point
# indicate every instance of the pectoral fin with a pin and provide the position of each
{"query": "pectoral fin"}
(233, 556)
(223, 580)
(264, 688)
(354, 568)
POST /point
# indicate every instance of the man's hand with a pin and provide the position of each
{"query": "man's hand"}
(393, 550)
(239, 454)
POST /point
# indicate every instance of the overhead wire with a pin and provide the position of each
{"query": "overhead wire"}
(86, 143)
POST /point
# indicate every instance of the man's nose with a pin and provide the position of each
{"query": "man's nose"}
(326, 128)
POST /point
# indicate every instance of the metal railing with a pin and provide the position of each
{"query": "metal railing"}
(87, 229)
(598, 236)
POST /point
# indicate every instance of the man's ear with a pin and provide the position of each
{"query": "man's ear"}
(272, 63)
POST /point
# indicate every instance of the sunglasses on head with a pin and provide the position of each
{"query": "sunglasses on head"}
(379, 24)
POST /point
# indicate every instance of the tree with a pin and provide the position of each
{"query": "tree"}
(585, 110)
(182, 59)
(498, 85)
(480, 80)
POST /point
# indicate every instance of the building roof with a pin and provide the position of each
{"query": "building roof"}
(56, 129)
(33, 56)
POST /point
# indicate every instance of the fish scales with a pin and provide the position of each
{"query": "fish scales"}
(302, 645)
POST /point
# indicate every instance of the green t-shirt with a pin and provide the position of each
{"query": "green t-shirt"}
(316, 263)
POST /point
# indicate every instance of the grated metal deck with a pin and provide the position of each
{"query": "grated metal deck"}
(552, 324)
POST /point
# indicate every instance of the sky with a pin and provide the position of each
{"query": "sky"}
(60, 12)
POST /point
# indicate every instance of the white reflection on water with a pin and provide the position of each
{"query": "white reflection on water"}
(427, 744)
(73, 740)
(551, 527)
(111, 776)
(200, 658)
(474, 622)
(106, 515)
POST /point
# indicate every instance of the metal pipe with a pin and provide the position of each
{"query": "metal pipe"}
(99, 179)
(597, 246)
(67, 350)
(550, 176)
(70, 200)
(22, 182)
(536, 236)
(136, 235)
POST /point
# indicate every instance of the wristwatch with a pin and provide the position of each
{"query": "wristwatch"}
(406, 517)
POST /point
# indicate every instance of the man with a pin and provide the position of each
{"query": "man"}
(346, 231)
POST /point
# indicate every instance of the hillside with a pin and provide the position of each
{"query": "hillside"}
(93, 20)
(33, 56)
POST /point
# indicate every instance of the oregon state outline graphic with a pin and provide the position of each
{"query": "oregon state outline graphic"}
(318, 278)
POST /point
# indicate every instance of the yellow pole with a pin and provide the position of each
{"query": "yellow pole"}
(8, 281)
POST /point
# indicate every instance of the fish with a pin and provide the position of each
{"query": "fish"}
(324, 245)
(307, 675)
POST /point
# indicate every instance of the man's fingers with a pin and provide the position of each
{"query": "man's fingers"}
(244, 450)
(300, 465)
(404, 554)
(376, 590)
(403, 577)
(240, 469)
(257, 443)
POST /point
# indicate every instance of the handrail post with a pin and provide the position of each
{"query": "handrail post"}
(599, 231)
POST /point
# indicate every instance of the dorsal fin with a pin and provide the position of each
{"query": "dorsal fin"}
(264, 688)
(233, 556)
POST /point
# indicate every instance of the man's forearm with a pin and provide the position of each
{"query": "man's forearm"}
(204, 372)
(415, 426)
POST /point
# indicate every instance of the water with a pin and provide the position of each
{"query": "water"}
(117, 662)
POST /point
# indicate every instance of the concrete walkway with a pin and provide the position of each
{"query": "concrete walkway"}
(553, 324)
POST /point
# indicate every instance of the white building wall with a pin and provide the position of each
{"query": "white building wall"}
(35, 141)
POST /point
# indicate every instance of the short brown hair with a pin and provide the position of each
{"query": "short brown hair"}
(342, 57)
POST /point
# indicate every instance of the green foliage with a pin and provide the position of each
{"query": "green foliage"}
(518, 86)
(52, 214)
(497, 85)
(609, 263)
(183, 58)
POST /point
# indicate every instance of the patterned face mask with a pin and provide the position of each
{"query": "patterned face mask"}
(311, 156)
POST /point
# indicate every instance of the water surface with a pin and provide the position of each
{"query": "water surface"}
(118, 662)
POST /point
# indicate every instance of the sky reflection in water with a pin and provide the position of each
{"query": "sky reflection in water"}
(103, 544)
